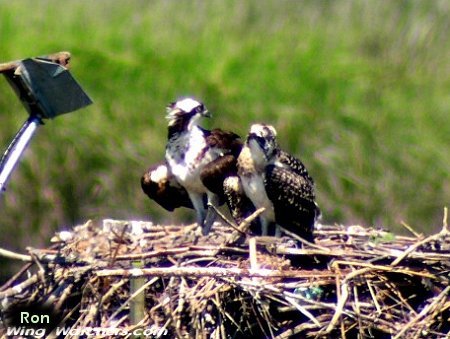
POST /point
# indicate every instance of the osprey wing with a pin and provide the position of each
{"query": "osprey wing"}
(215, 172)
(159, 184)
(292, 196)
(213, 176)
(239, 204)
(294, 164)
(228, 141)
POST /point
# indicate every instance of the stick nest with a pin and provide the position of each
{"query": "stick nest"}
(353, 281)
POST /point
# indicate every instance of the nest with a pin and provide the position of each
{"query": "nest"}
(130, 275)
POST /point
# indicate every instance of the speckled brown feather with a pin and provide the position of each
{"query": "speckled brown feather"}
(239, 204)
(292, 197)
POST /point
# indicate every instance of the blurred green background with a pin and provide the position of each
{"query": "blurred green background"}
(359, 90)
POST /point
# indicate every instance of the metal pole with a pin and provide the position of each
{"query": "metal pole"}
(16, 148)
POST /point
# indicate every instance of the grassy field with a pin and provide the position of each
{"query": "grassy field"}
(359, 90)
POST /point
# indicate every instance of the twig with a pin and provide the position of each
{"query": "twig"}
(52, 335)
(409, 228)
(113, 289)
(152, 254)
(36, 260)
(16, 276)
(224, 218)
(413, 247)
(357, 311)
(243, 226)
(427, 309)
(297, 237)
(19, 288)
(303, 310)
(118, 245)
(385, 268)
(253, 254)
(343, 297)
(14, 255)
(444, 221)
(222, 311)
(218, 272)
(132, 296)
(374, 297)
(310, 252)
(65, 293)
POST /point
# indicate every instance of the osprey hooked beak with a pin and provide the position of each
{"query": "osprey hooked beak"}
(207, 114)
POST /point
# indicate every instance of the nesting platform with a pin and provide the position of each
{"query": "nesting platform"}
(353, 281)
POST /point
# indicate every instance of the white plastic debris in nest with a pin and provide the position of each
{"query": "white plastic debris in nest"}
(356, 230)
(63, 236)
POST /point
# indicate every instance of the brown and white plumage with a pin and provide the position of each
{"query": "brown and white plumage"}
(239, 204)
(159, 184)
(198, 158)
(279, 182)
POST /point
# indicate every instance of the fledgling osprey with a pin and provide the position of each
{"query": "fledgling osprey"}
(160, 185)
(279, 182)
(239, 204)
(198, 158)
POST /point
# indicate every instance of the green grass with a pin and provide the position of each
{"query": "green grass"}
(359, 90)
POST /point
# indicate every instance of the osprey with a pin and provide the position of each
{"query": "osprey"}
(160, 185)
(279, 182)
(199, 159)
(239, 204)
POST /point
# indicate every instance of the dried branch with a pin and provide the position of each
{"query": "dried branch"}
(13, 255)
(352, 281)
(427, 310)
(217, 272)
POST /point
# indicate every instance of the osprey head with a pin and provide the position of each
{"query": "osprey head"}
(262, 141)
(186, 111)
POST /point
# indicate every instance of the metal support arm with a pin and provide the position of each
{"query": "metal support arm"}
(16, 148)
